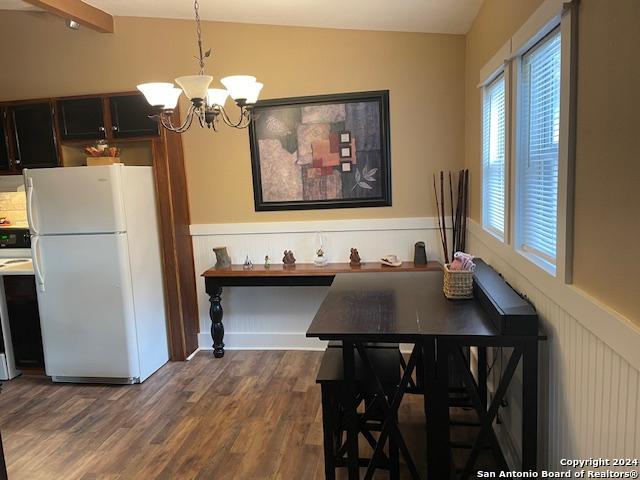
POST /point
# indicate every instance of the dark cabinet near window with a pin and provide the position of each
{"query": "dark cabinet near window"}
(24, 320)
(130, 117)
(35, 139)
(5, 162)
(81, 118)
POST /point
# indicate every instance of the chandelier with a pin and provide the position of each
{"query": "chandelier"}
(207, 104)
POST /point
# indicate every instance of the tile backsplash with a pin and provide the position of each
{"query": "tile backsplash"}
(13, 206)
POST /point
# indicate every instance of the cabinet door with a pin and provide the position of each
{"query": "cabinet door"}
(130, 117)
(35, 138)
(24, 320)
(80, 118)
(5, 162)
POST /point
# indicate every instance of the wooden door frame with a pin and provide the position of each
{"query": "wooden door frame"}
(177, 247)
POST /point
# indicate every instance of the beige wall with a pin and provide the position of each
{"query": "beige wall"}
(607, 216)
(424, 73)
(607, 222)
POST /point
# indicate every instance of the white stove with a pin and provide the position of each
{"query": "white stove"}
(15, 259)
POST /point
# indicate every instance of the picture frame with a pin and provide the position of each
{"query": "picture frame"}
(322, 151)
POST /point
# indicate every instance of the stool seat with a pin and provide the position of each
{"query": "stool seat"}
(384, 362)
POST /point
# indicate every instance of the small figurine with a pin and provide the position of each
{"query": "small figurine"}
(267, 261)
(222, 258)
(354, 258)
(289, 260)
(247, 265)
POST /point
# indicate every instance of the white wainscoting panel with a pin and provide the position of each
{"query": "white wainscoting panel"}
(278, 317)
(590, 392)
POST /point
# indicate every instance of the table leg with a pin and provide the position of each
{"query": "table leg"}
(328, 429)
(482, 375)
(436, 407)
(530, 405)
(351, 414)
(217, 328)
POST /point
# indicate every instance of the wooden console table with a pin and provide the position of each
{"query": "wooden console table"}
(303, 274)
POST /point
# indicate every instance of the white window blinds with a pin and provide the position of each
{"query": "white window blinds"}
(493, 156)
(537, 165)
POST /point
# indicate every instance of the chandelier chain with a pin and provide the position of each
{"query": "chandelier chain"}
(196, 7)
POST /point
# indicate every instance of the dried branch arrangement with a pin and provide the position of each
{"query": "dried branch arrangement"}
(459, 211)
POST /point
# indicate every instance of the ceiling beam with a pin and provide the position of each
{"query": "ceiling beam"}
(77, 10)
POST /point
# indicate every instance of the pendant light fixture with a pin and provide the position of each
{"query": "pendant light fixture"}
(207, 104)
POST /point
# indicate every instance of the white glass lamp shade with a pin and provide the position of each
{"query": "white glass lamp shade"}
(252, 97)
(157, 93)
(171, 100)
(195, 86)
(239, 86)
(217, 96)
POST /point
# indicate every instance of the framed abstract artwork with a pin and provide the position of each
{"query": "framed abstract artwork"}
(326, 151)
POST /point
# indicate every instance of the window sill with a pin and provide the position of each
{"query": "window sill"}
(538, 261)
(494, 233)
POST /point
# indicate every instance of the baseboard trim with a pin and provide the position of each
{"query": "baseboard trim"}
(193, 354)
(271, 341)
(263, 341)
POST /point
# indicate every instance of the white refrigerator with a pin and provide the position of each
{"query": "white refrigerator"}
(98, 268)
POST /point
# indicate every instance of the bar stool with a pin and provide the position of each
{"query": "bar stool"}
(414, 386)
(334, 391)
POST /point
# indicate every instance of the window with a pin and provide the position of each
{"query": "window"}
(537, 150)
(493, 156)
(528, 124)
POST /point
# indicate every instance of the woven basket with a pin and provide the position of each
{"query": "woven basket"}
(457, 283)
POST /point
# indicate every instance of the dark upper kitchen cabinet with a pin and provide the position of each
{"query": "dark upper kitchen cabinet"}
(81, 118)
(130, 117)
(35, 139)
(5, 162)
(30, 131)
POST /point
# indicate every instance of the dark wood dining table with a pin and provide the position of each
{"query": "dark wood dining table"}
(410, 308)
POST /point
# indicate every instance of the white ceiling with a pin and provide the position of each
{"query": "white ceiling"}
(436, 16)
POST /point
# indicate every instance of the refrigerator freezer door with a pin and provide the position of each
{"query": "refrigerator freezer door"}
(75, 200)
(86, 306)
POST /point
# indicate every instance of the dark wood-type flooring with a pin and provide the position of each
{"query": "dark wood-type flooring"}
(249, 415)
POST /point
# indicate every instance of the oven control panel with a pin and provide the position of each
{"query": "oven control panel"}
(15, 238)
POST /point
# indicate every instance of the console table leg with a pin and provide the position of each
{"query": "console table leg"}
(217, 328)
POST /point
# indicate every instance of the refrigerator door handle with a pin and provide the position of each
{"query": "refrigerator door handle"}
(36, 263)
(29, 185)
